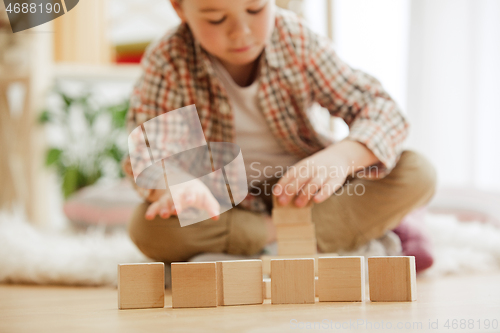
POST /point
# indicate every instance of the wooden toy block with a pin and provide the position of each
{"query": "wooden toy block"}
(341, 279)
(290, 204)
(266, 260)
(141, 286)
(297, 247)
(239, 282)
(291, 214)
(392, 279)
(286, 232)
(284, 215)
(266, 288)
(194, 284)
(292, 281)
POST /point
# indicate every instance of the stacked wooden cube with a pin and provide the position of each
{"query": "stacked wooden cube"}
(294, 229)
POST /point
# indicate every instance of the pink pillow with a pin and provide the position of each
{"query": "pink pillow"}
(109, 204)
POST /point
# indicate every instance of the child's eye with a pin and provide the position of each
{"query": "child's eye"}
(256, 11)
(217, 22)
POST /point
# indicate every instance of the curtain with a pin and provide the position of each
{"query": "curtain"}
(440, 60)
(454, 89)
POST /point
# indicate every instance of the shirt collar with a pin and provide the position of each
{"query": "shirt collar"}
(204, 65)
(272, 50)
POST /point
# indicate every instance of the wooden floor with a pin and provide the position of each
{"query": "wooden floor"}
(472, 300)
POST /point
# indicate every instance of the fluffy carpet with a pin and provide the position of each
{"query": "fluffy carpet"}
(29, 255)
(460, 247)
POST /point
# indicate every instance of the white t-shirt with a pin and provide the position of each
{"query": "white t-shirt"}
(263, 156)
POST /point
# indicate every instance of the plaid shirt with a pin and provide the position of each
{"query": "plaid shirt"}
(298, 68)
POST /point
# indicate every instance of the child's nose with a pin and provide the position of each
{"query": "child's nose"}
(239, 28)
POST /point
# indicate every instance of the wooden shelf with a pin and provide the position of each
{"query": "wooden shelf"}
(7, 77)
(96, 72)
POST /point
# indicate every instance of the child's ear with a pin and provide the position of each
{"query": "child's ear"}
(178, 9)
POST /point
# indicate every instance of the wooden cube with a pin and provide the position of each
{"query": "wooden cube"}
(291, 215)
(194, 284)
(286, 232)
(239, 282)
(298, 247)
(141, 286)
(392, 279)
(291, 204)
(266, 260)
(266, 287)
(341, 279)
(292, 281)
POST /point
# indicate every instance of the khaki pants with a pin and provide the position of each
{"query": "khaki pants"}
(343, 221)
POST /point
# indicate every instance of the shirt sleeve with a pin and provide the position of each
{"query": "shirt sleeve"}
(154, 145)
(373, 117)
(155, 92)
(151, 96)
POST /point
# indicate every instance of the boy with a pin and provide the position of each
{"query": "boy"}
(253, 70)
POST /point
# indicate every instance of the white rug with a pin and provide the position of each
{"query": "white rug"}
(461, 247)
(28, 255)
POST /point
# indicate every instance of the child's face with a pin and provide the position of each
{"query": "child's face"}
(235, 31)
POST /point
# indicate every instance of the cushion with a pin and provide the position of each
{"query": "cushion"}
(109, 204)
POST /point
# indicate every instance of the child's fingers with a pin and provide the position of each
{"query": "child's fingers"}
(292, 181)
(309, 190)
(163, 207)
(329, 187)
(152, 210)
(211, 205)
(292, 189)
(282, 186)
(283, 183)
(284, 190)
(127, 167)
(185, 197)
(202, 200)
(166, 206)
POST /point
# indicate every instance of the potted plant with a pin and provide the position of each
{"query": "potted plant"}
(90, 140)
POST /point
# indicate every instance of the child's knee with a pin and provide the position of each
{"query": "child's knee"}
(156, 238)
(135, 225)
(417, 175)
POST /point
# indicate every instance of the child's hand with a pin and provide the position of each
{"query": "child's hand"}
(195, 195)
(320, 175)
(127, 166)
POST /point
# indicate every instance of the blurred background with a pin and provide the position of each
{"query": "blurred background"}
(64, 89)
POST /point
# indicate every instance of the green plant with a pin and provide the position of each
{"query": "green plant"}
(90, 140)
